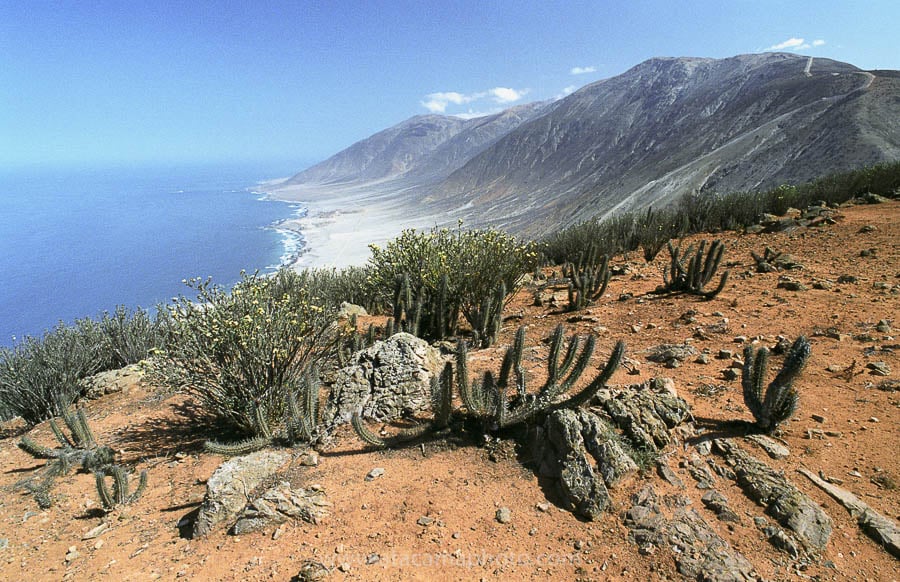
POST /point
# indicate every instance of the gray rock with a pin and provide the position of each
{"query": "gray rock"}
(348, 310)
(778, 538)
(645, 413)
(666, 472)
(718, 504)
(111, 381)
(774, 449)
(563, 456)
(670, 353)
(227, 489)
(783, 501)
(280, 504)
(503, 515)
(384, 382)
(879, 368)
(374, 474)
(699, 552)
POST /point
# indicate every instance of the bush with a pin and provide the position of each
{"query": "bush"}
(475, 262)
(131, 336)
(40, 378)
(243, 354)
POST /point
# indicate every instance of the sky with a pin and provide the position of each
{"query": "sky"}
(108, 82)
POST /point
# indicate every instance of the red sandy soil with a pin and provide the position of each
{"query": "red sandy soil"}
(461, 488)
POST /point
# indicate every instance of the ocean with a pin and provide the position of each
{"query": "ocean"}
(77, 242)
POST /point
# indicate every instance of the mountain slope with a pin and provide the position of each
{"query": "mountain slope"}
(665, 127)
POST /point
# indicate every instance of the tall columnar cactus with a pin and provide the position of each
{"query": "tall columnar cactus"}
(587, 282)
(488, 318)
(781, 399)
(699, 271)
(487, 400)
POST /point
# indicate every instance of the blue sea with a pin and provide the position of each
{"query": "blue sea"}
(77, 242)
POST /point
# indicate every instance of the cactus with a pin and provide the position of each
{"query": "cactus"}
(119, 494)
(488, 318)
(698, 273)
(781, 399)
(80, 449)
(486, 400)
(587, 282)
(243, 447)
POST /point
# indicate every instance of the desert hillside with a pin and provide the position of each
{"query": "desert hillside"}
(432, 509)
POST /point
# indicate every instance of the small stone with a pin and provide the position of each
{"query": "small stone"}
(543, 507)
(456, 535)
(702, 359)
(98, 544)
(93, 533)
(503, 515)
(883, 326)
(72, 554)
(344, 567)
(533, 531)
(578, 545)
(731, 373)
(279, 531)
(373, 559)
(879, 368)
(309, 459)
(725, 355)
(760, 522)
(425, 521)
(874, 419)
(818, 418)
(741, 339)
(374, 474)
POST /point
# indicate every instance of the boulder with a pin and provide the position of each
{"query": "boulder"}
(227, 489)
(386, 381)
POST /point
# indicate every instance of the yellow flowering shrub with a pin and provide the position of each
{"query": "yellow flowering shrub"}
(248, 348)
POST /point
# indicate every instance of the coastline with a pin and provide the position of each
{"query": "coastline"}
(336, 223)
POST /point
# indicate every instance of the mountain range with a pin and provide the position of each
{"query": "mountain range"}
(666, 127)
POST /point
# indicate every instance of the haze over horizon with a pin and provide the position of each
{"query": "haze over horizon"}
(291, 84)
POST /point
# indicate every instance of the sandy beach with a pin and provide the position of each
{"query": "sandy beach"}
(342, 220)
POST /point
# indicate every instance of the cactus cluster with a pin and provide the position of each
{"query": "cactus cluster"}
(119, 494)
(77, 449)
(488, 400)
(766, 262)
(587, 281)
(692, 273)
(430, 315)
(780, 400)
(487, 319)
(301, 422)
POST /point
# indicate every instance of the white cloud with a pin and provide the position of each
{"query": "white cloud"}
(438, 102)
(506, 95)
(567, 91)
(791, 44)
(582, 70)
(818, 42)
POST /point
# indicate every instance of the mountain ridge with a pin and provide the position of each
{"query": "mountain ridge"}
(665, 127)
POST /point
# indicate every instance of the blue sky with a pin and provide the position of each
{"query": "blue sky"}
(92, 82)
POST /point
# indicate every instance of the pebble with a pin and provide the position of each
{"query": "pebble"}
(310, 459)
(374, 474)
(72, 554)
(818, 418)
(543, 507)
(98, 544)
(425, 520)
(503, 515)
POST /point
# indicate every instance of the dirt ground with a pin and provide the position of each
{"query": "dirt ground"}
(846, 428)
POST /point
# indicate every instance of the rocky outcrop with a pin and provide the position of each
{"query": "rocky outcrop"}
(645, 413)
(389, 380)
(280, 504)
(231, 483)
(699, 552)
(783, 501)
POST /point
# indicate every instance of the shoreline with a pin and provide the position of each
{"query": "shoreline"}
(335, 225)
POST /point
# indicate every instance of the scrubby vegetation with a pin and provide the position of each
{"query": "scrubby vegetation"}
(433, 277)
(709, 212)
(243, 354)
(41, 377)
